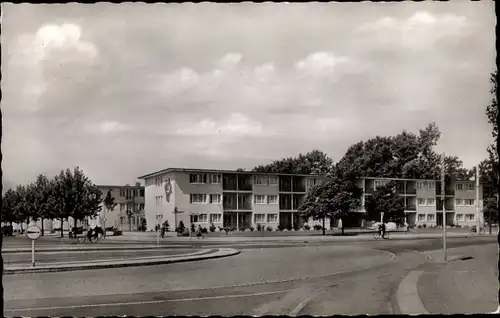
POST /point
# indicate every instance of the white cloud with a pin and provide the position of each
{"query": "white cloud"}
(230, 60)
(237, 125)
(105, 127)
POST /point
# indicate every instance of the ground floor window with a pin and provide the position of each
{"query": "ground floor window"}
(215, 218)
(201, 218)
(421, 217)
(260, 218)
(460, 217)
(469, 217)
(431, 217)
(272, 218)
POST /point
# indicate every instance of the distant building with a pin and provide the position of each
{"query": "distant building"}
(226, 198)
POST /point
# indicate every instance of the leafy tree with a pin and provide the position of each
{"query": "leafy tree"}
(9, 207)
(42, 199)
(109, 205)
(313, 162)
(336, 197)
(20, 205)
(385, 199)
(490, 211)
(489, 167)
(181, 227)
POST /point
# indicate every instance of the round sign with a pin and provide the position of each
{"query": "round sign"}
(33, 232)
(104, 219)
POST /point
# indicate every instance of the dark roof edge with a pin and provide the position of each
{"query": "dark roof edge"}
(223, 171)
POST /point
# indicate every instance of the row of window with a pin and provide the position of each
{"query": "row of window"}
(458, 202)
(430, 185)
(467, 186)
(217, 198)
(259, 180)
(158, 181)
(129, 206)
(217, 218)
(205, 178)
(459, 217)
(158, 200)
(129, 193)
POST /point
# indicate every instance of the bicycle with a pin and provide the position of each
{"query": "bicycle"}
(474, 230)
(378, 235)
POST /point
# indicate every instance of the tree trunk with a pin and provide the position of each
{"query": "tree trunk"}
(341, 220)
(62, 222)
(324, 217)
(42, 227)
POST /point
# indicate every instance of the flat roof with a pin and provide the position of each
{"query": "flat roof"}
(223, 171)
(119, 186)
(403, 179)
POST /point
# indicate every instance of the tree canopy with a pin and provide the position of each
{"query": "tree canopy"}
(489, 167)
(385, 200)
(313, 162)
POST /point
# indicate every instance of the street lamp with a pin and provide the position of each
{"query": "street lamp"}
(158, 218)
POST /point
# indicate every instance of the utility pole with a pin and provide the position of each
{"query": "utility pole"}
(443, 199)
(478, 210)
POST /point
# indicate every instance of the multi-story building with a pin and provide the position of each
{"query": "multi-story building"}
(128, 213)
(423, 200)
(225, 198)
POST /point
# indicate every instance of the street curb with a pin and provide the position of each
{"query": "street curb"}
(409, 301)
(90, 249)
(220, 253)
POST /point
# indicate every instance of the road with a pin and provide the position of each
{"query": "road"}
(299, 278)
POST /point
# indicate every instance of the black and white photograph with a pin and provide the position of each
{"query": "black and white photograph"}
(260, 159)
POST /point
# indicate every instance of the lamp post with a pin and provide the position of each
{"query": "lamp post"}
(158, 218)
(443, 199)
(478, 210)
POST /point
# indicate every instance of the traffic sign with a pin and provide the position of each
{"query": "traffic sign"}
(33, 232)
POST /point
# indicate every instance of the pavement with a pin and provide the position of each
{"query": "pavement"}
(266, 278)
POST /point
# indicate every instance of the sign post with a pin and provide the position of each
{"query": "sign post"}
(443, 199)
(33, 233)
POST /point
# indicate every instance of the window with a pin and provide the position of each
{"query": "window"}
(141, 206)
(260, 199)
(141, 193)
(215, 198)
(122, 205)
(260, 218)
(272, 199)
(311, 182)
(272, 218)
(260, 180)
(460, 187)
(273, 180)
(198, 198)
(421, 202)
(421, 217)
(431, 217)
(470, 186)
(215, 178)
(431, 186)
(197, 178)
(216, 218)
(469, 217)
(121, 193)
(470, 202)
(460, 217)
(421, 185)
(379, 183)
(459, 202)
(200, 218)
(431, 202)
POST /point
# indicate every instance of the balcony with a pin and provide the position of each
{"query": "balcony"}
(229, 202)
(411, 207)
(244, 202)
(229, 182)
(244, 183)
(285, 202)
(297, 201)
(299, 184)
(400, 187)
(285, 184)
(411, 187)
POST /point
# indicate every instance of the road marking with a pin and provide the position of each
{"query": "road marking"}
(149, 301)
(409, 301)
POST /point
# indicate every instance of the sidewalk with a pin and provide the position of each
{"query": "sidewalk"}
(144, 261)
(461, 285)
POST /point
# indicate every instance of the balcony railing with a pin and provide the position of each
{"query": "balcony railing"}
(299, 188)
(229, 206)
(411, 190)
(411, 207)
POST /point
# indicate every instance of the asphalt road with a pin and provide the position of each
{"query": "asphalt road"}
(77, 256)
(298, 279)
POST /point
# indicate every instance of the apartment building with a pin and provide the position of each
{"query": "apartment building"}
(129, 211)
(423, 201)
(225, 198)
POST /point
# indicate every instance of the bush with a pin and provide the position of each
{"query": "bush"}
(166, 225)
(185, 233)
(252, 228)
(317, 227)
(181, 228)
(204, 230)
(269, 228)
(212, 227)
(452, 225)
(242, 228)
(425, 226)
(307, 227)
(259, 227)
(281, 227)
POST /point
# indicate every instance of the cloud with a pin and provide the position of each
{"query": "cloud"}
(105, 127)
(237, 125)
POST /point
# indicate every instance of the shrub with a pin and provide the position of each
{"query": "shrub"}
(259, 227)
(242, 228)
(307, 227)
(185, 233)
(166, 226)
(204, 230)
(281, 227)
(425, 225)
(296, 226)
(212, 227)
(181, 228)
(269, 228)
(252, 228)
(317, 227)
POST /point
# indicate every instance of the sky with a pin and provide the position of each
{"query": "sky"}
(122, 90)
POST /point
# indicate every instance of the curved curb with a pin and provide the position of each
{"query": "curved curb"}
(91, 249)
(222, 252)
(409, 301)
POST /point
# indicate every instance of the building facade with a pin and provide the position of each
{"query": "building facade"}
(224, 198)
(423, 201)
(128, 213)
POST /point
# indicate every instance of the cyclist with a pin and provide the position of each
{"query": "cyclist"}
(381, 229)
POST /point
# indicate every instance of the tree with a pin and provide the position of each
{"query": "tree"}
(489, 167)
(109, 205)
(385, 200)
(42, 199)
(336, 197)
(9, 207)
(313, 162)
(490, 211)
(20, 205)
(181, 228)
